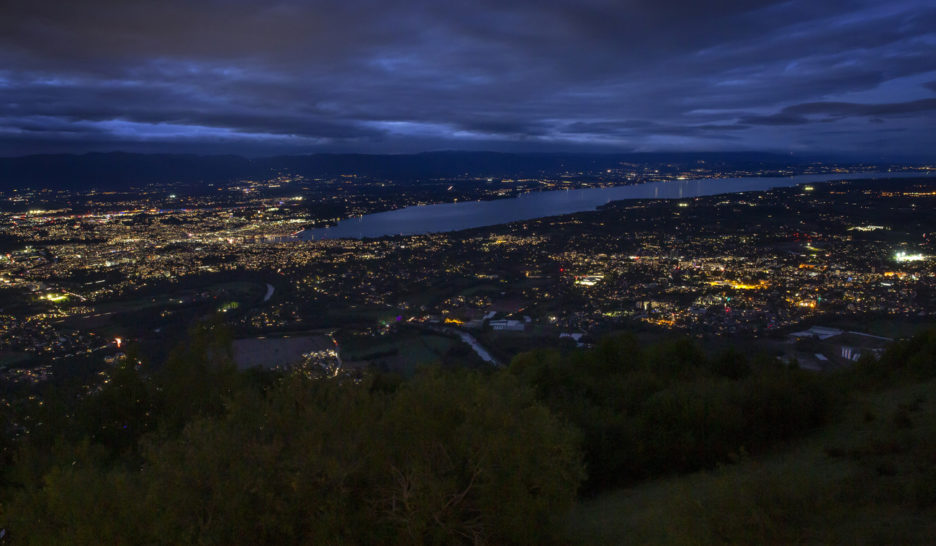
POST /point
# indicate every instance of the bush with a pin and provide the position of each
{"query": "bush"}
(667, 408)
(445, 458)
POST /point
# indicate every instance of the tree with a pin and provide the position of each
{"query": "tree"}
(445, 458)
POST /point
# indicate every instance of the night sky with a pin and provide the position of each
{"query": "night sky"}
(390, 76)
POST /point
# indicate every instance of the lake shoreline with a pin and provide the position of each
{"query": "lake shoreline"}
(460, 216)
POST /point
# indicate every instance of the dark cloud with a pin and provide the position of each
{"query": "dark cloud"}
(781, 118)
(406, 75)
(636, 128)
(829, 111)
(850, 109)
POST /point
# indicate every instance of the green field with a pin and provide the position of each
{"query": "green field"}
(869, 478)
(115, 318)
(13, 358)
(246, 291)
(402, 352)
(894, 328)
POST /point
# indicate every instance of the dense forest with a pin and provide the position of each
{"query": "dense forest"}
(193, 451)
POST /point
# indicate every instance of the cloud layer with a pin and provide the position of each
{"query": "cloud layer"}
(400, 76)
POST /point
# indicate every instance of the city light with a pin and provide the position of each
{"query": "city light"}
(740, 286)
(588, 280)
(902, 256)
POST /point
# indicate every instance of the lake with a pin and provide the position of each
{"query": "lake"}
(443, 217)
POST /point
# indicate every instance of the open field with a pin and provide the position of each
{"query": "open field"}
(868, 478)
(402, 352)
(277, 352)
(11, 358)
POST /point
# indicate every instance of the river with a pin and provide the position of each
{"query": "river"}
(457, 216)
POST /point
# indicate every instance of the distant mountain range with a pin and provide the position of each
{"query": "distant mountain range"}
(119, 170)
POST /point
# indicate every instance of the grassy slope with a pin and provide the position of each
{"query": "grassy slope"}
(868, 478)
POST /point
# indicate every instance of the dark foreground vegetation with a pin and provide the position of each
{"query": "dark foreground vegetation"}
(867, 477)
(195, 452)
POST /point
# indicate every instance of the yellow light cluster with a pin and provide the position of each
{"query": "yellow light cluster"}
(740, 286)
(660, 321)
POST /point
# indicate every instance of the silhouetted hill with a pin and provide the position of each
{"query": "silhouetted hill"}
(117, 170)
(120, 170)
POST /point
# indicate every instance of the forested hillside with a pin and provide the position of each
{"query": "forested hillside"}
(194, 451)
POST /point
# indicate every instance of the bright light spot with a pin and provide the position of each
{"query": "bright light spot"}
(902, 256)
(589, 280)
